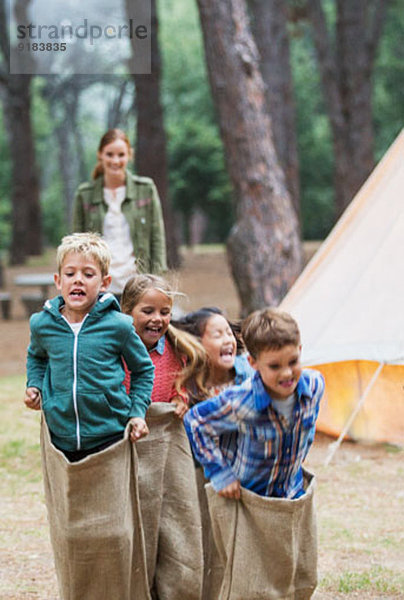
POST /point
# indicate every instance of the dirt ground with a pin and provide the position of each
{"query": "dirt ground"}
(360, 495)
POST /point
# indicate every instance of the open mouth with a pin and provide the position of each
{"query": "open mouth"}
(77, 293)
(227, 355)
(153, 330)
(287, 383)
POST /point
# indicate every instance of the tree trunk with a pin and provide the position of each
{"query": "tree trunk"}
(26, 210)
(78, 145)
(269, 27)
(346, 80)
(151, 154)
(264, 248)
(67, 166)
(354, 78)
(26, 236)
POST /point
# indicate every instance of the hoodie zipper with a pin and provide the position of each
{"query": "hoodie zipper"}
(75, 362)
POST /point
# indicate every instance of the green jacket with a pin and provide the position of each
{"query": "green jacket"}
(142, 210)
(81, 377)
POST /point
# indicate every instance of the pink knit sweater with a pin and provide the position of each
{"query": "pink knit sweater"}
(166, 368)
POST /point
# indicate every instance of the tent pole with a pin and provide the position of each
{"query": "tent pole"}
(333, 447)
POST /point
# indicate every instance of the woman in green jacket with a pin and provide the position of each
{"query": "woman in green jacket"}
(125, 209)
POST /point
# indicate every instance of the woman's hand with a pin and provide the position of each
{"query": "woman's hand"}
(138, 429)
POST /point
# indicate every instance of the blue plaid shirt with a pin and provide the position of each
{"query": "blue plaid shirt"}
(240, 435)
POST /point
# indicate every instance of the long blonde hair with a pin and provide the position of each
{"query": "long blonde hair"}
(110, 136)
(185, 345)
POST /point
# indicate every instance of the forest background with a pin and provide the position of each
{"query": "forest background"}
(67, 115)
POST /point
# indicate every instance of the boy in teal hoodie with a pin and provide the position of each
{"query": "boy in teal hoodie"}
(74, 365)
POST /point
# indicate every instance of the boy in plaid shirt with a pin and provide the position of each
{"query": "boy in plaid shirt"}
(258, 434)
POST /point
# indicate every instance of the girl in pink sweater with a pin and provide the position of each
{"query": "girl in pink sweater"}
(148, 299)
(168, 491)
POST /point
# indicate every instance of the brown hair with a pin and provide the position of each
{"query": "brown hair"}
(195, 380)
(110, 136)
(137, 285)
(195, 322)
(269, 329)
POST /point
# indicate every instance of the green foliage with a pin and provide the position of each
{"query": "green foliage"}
(198, 178)
(54, 215)
(185, 85)
(388, 97)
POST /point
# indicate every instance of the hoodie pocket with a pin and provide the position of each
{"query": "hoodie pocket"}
(97, 414)
(93, 417)
(60, 415)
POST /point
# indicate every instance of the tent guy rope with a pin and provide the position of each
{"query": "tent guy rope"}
(333, 447)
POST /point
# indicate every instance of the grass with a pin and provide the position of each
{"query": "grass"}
(19, 438)
(376, 579)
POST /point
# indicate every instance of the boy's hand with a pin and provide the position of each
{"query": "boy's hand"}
(181, 406)
(33, 398)
(233, 490)
(138, 429)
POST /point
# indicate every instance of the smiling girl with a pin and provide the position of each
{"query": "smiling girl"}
(125, 209)
(148, 299)
(167, 485)
(226, 363)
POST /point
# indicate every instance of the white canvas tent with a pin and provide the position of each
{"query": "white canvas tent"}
(349, 303)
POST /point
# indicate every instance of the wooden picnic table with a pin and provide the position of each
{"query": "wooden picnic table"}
(34, 301)
(42, 280)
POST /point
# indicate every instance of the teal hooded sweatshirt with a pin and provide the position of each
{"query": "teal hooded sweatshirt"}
(81, 376)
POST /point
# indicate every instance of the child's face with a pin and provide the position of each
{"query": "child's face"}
(280, 370)
(114, 158)
(151, 316)
(80, 281)
(219, 343)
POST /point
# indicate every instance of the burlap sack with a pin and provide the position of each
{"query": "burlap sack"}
(268, 545)
(170, 508)
(213, 567)
(94, 519)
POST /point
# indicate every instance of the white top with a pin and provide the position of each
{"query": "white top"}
(285, 407)
(75, 327)
(117, 235)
